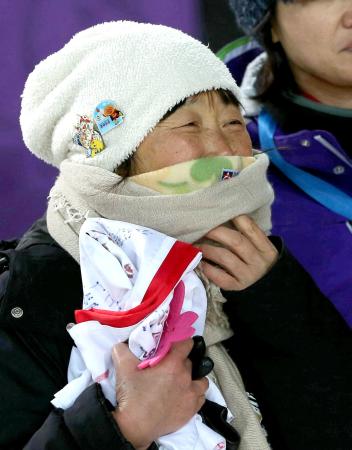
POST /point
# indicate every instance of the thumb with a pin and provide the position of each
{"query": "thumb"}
(123, 359)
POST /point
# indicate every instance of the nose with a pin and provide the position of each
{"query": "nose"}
(347, 16)
(217, 144)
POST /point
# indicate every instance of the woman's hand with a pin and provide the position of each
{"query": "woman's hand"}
(155, 401)
(244, 256)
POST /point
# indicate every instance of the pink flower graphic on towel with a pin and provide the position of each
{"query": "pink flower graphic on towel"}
(178, 327)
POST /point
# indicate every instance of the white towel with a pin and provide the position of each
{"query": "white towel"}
(123, 267)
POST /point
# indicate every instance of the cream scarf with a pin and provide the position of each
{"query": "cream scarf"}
(83, 191)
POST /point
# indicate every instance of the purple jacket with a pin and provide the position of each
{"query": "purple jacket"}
(320, 239)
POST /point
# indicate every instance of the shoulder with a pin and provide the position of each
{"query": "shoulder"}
(238, 54)
(244, 58)
(41, 284)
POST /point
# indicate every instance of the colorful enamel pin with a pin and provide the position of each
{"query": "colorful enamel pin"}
(107, 116)
(87, 137)
(226, 174)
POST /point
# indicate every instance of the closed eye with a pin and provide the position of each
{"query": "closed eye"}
(234, 122)
(189, 124)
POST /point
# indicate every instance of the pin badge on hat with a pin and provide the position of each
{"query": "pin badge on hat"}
(107, 116)
(87, 137)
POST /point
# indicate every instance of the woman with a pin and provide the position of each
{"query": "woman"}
(178, 103)
(303, 83)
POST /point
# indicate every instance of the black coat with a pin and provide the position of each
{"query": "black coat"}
(292, 347)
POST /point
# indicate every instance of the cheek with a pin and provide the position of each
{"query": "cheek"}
(304, 34)
(320, 62)
(242, 145)
(167, 150)
(181, 148)
(247, 145)
(299, 49)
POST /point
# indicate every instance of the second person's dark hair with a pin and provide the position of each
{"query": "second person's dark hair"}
(276, 75)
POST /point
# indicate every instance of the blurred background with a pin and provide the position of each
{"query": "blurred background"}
(31, 30)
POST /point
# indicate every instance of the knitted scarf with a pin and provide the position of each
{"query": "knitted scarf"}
(83, 191)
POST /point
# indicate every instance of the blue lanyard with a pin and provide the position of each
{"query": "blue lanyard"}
(321, 191)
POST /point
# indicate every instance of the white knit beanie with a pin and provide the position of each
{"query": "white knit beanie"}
(142, 70)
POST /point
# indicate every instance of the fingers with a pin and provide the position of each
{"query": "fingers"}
(237, 258)
(230, 272)
(255, 235)
(200, 388)
(234, 241)
(224, 258)
(221, 278)
(181, 349)
(248, 242)
(158, 400)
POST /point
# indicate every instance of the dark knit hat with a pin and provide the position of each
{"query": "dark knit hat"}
(250, 14)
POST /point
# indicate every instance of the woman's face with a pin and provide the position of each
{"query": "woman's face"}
(203, 126)
(317, 38)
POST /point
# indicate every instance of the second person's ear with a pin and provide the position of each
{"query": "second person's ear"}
(274, 34)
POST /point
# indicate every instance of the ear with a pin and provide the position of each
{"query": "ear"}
(274, 34)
